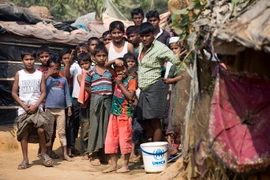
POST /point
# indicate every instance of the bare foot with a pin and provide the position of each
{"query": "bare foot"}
(123, 170)
(132, 154)
(134, 158)
(67, 158)
(110, 169)
(75, 151)
(85, 157)
(53, 155)
(70, 152)
(95, 162)
(172, 150)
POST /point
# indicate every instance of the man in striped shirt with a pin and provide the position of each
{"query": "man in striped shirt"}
(152, 105)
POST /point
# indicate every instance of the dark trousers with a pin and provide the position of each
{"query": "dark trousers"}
(73, 124)
(85, 123)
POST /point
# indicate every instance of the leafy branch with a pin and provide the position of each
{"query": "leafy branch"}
(182, 19)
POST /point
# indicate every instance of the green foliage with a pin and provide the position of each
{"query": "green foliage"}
(65, 9)
(125, 6)
(183, 18)
(71, 9)
(235, 1)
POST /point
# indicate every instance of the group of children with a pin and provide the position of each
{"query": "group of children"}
(94, 89)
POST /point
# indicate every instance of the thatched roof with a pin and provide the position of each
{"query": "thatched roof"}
(250, 29)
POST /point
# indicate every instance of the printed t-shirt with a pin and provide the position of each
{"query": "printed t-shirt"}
(120, 105)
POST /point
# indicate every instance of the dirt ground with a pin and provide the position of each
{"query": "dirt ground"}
(11, 156)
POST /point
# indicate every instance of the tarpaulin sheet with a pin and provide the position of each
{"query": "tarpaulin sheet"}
(11, 12)
(8, 70)
(11, 47)
(13, 52)
(6, 97)
(239, 125)
(8, 116)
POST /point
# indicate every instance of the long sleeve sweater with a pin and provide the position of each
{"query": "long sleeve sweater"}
(57, 91)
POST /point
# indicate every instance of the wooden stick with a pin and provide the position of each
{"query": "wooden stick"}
(9, 107)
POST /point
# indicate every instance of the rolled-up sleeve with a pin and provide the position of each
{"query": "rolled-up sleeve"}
(167, 55)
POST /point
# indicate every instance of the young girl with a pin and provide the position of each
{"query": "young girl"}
(120, 123)
(118, 47)
(57, 99)
(98, 83)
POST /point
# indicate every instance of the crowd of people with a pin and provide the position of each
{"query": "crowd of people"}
(112, 90)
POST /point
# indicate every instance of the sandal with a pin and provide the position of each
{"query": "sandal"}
(47, 161)
(23, 165)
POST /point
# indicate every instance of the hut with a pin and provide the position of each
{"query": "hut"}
(226, 120)
(23, 31)
(233, 141)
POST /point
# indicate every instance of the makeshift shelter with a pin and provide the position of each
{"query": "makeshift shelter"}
(233, 139)
(227, 118)
(16, 36)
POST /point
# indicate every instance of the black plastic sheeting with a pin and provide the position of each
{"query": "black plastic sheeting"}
(10, 51)
(11, 46)
(64, 27)
(11, 12)
(6, 97)
(8, 116)
(2, 29)
(8, 70)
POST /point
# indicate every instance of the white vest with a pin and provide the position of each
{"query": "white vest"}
(29, 88)
(114, 55)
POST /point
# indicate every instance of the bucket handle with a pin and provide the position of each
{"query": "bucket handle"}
(154, 154)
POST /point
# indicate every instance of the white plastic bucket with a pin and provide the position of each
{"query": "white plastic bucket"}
(154, 156)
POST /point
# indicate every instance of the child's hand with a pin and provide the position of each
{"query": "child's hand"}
(50, 71)
(32, 108)
(167, 80)
(119, 79)
(71, 56)
(26, 108)
(133, 102)
(69, 111)
(118, 62)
